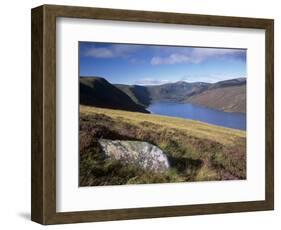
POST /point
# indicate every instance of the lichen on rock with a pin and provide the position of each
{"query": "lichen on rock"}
(142, 154)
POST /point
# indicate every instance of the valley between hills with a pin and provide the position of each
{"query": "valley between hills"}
(228, 95)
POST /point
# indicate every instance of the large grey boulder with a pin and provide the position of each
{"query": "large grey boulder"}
(141, 154)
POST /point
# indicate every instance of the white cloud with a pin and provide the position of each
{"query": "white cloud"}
(211, 78)
(150, 81)
(194, 55)
(171, 59)
(111, 51)
(99, 52)
(202, 54)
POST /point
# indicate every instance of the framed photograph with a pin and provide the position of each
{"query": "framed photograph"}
(141, 114)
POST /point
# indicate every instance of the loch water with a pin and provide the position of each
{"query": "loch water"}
(200, 113)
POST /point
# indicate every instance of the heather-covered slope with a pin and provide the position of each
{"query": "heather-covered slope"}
(196, 151)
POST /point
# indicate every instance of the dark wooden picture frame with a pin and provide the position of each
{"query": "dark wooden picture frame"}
(43, 207)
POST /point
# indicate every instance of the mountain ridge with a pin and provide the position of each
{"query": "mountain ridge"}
(227, 95)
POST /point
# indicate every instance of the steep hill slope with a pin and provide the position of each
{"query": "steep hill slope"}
(228, 95)
(98, 92)
(139, 94)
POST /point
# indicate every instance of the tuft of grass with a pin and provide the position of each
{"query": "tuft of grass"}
(206, 174)
(149, 178)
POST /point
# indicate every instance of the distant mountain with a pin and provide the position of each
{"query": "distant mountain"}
(229, 95)
(228, 83)
(178, 91)
(96, 91)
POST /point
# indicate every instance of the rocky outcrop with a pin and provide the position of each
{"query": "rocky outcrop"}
(142, 154)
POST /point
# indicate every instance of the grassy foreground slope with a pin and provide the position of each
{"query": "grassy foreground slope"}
(196, 151)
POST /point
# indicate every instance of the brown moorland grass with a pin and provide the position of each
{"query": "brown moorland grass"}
(196, 151)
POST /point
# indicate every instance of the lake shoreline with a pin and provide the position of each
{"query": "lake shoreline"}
(179, 102)
(236, 120)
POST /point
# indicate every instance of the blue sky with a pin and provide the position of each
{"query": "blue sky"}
(153, 65)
